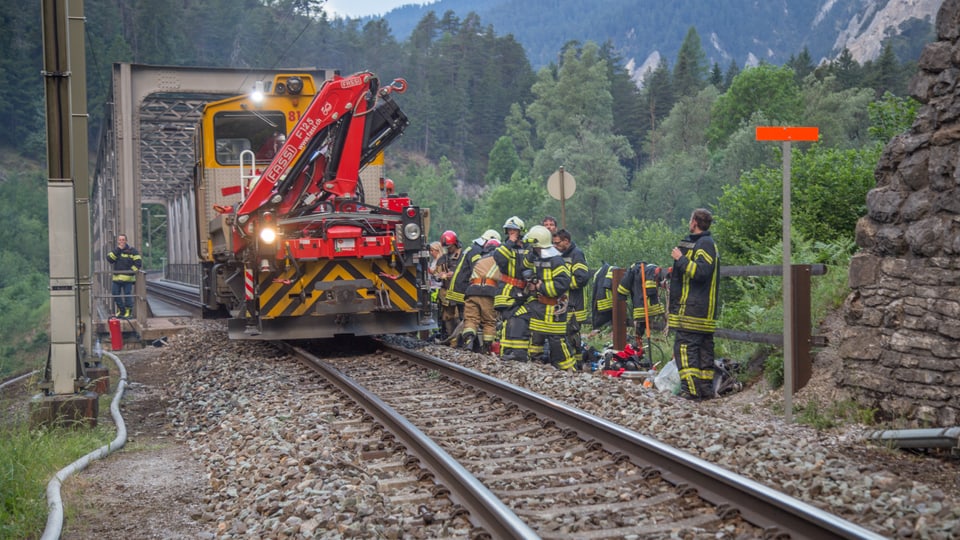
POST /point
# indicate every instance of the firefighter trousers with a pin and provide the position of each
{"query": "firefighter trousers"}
(693, 353)
(549, 327)
(516, 334)
(450, 314)
(478, 313)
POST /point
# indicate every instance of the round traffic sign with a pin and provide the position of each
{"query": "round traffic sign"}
(568, 185)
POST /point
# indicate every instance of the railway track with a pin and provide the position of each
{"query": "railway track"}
(520, 465)
(179, 294)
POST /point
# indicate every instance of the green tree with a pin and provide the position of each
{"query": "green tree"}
(891, 116)
(828, 197)
(504, 161)
(573, 116)
(730, 74)
(716, 77)
(690, 72)
(672, 187)
(802, 65)
(520, 196)
(765, 88)
(647, 240)
(656, 99)
(686, 126)
(885, 73)
(848, 71)
(433, 187)
(840, 114)
(520, 130)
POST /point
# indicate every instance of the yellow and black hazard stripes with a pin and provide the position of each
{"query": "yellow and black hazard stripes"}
(356, 285)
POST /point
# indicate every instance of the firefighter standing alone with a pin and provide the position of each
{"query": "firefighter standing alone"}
(126, 263)
(694, 302)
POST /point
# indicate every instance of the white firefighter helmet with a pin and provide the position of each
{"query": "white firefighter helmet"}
(538, 237)
(490, 234)
(513, 222)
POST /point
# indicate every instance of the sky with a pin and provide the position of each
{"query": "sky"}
(362, 8)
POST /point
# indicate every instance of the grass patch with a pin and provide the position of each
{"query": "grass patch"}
(838, 413)
(29, 458)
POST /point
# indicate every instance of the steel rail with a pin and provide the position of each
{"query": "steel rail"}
(777, 513)
(485, 509)
(179, 293)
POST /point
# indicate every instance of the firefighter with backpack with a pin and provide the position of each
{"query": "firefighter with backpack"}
(478, 311)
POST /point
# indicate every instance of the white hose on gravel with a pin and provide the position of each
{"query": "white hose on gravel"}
(54, 502)
(18, 379)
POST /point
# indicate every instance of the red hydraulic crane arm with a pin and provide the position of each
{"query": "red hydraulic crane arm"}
(337, 97)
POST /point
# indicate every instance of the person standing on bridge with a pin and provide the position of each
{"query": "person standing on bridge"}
(126, 263)
(694, 306)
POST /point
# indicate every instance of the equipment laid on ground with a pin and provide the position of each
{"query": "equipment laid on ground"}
(290, 246)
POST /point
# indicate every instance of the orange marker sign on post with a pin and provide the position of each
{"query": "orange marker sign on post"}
(787, 134)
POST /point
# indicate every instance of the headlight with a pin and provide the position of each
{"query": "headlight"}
(411, 231)
(295, 85)
(268, 235)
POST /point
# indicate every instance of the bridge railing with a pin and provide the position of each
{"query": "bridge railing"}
(189, 274)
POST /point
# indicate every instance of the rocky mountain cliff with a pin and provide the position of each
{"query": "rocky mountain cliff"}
(741, 31)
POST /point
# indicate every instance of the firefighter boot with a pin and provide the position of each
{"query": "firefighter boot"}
(469, 339)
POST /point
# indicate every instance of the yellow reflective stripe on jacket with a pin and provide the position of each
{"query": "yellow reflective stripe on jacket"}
(655, 309)
(693, 324)
(548, 326)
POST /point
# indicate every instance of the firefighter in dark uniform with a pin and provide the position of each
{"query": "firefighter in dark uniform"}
(642, 279)
(478, 309)
(449, 312)
(515, 334)
(694, 303)
(602, 302)
(548, 280)
(579, 279)
(126, 263)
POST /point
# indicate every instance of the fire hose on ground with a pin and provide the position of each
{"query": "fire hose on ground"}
(54, 502)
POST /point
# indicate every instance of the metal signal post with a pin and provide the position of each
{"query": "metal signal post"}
(786, 135)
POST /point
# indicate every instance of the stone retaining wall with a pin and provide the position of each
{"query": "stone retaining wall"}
(901, 346)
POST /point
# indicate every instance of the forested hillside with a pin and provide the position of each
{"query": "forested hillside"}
(741, 31)
(487, 129)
